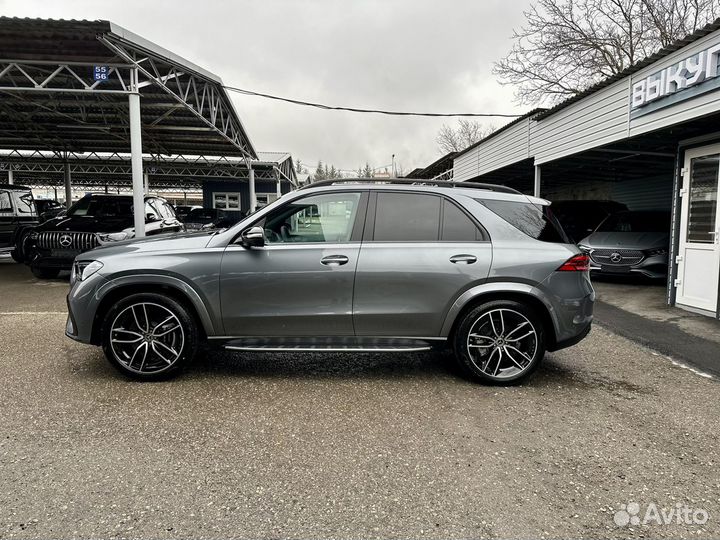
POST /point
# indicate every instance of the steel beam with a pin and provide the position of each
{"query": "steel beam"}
(538, 178)
(251, 189)
(136, 164)
(68, 186)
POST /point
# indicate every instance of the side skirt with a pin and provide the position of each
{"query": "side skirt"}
(333, 344)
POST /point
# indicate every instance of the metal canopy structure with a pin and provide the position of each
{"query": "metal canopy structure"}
(86, 87)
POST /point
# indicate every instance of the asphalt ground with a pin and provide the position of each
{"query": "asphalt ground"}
(343, 446)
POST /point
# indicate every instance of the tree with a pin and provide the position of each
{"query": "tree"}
(359, 172)
(567, 46)
(299, 167)
(467, 133)
(368, 171)
(320, 172)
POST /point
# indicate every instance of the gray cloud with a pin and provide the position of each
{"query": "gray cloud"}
(405, 54)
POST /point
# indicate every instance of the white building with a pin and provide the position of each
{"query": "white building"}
(648, 137)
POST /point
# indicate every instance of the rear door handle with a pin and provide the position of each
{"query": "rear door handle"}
(463, 259)
(334, 260)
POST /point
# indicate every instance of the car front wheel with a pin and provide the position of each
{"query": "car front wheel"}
(500, 342)
(149, 336)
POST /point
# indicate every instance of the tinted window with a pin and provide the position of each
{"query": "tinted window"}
(318, 218)
(536, 221)
(102, 207)
(203, 213)
(407, 217)
(150, 213)
(24, 203)
(457, 226)
(5, 202)
(637, 222)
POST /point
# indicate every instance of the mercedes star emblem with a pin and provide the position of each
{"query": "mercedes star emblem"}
(615, 257)
(66, 240)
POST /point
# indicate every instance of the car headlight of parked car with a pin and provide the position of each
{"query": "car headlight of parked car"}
(82, 270)
(584, 249)
(658, 251)
(115, 237)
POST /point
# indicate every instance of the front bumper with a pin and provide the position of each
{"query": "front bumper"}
(83, 301)
(655, 267)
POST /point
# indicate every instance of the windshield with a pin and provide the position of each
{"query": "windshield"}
(101, 207)
(637, 222)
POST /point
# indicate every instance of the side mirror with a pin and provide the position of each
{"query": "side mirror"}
(151, 218)
(253, 237)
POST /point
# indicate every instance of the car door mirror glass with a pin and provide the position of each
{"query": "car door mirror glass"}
(253, 237)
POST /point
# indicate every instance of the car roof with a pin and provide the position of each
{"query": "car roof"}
(14, 187)
(468, 189)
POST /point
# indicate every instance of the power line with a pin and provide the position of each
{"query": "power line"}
(358, 110)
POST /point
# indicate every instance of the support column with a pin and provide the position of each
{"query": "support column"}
(536, 188)
(278, 188)
(68, 186)
(146, 183)
(251, 187)
(137, 165)
(11, 180)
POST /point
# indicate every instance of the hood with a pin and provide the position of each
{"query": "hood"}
(87, 224)
(163, 242)
(626, 240)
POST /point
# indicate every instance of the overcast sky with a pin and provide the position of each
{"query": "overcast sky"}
(407, 55)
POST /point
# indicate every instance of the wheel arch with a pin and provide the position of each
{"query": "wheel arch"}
(524, 294)
(174, 288)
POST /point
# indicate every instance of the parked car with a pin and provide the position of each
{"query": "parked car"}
(630, 243)
(18, 216)
(182, 210)
(578, 218)
(48, 209)
(350, 267)
(211, 218)
(94, 220)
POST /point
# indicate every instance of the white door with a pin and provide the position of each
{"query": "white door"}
(699, 246)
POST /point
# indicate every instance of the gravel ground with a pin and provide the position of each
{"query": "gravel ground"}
(342, 446)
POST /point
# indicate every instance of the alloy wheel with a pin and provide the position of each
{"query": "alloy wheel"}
(147, 338)
(502, 343)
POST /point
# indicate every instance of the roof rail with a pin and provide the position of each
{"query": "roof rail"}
(413, 182)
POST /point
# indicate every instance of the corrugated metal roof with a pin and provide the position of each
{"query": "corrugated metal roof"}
(83, 120)
(497, 132)
(662, 53)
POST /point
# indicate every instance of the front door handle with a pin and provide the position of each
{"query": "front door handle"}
(463, 259)
(334, 260)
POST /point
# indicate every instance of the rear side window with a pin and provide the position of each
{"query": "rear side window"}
(456, 225)
(407, 217)
(537, 222)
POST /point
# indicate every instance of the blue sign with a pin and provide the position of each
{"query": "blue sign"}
(101, 73)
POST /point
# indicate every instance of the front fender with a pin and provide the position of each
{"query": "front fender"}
(496, 287)
(209, 322)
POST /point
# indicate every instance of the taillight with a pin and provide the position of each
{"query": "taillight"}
(577, 263)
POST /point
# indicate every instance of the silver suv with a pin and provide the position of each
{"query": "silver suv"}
(346, 266)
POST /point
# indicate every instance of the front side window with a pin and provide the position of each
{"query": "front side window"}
(150, 213)
(25, 203)
(319, 218)
(407, 217)
(5, 205)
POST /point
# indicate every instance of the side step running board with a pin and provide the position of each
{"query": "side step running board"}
(328, 344)
(300, 348)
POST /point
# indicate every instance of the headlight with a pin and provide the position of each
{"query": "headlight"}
(115, 237)
(659, 251)
(585, 249)
(82, 270)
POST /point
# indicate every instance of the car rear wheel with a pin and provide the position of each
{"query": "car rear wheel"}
(44, 273)
(149, 336)
(500, 342)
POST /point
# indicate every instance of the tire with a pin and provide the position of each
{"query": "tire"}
(18, 254)
(44, 273)
(500, 342)
(149, 337)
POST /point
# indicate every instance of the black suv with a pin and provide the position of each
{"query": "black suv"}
(211, 218)
(94, 220)
(17, 218)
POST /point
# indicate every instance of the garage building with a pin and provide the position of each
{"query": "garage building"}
(648, 137)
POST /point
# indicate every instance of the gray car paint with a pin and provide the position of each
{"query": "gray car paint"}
(402, 290)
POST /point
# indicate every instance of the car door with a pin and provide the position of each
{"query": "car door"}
(300, 283)
(7, 219)
(419, 252)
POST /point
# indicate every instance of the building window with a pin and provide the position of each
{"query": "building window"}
(263, 199)
(226, 201)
